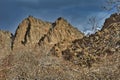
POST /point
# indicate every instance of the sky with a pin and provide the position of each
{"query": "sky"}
(76, 12)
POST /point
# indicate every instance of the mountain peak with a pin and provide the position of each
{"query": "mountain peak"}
(30, 16)
(30, 31)
(61, 20)
(114, 18)
(61, 31)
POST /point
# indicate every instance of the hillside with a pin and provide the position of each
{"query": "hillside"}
(41, 50)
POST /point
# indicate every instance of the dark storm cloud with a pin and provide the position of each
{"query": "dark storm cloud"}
(75, 11)
(56, 4)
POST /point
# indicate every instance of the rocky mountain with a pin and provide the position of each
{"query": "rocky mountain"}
(89, 49)
(33, 31)
(41, 50)
(61, 32)
(103, 42)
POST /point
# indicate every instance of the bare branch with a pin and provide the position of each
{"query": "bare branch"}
(93, 22)
(112, 5)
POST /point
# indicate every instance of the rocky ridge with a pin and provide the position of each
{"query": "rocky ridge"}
(32, 37)
(35, 34)
(90, 49)
(65, 53)
(61, 32)
(114, 18)
(29, 32)
(32, 32)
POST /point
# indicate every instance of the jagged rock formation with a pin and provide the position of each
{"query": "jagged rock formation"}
(33, 31)
(89, 49)
(5, 43)
(112, 19)
(29, 32)
(61, 32)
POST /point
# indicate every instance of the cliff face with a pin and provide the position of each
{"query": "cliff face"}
(32, 32)
(29, 32)
(5, 43)
(61, 32)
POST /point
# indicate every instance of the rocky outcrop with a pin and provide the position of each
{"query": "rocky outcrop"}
(112, 19)
(89, 49)
(61, 32)
(29, 32)
(5, 43)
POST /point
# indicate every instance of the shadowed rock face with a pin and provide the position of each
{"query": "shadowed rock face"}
(29, 32)
(5, 43)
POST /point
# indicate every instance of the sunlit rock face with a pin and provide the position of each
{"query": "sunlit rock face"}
(61, 33)
(29, 32)
(5, 43)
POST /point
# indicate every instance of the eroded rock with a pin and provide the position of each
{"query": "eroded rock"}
(5, 43)
(29, 32)
(61, 33)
